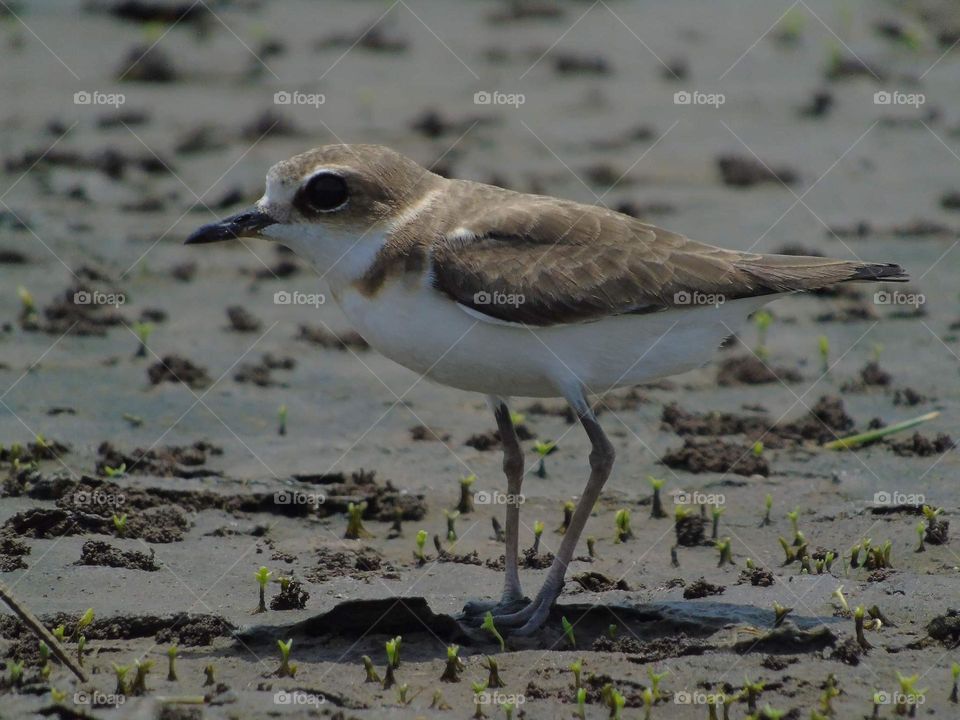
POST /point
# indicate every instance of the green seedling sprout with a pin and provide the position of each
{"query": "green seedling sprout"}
(139, 684)
(789, 552)
(656, 506)
(655, 680)
(120, 673)
(286, 669)
(855, 555)
(493, 680)
(355, 528)
(372, 675)
(879, 698)
(770, 714)
(910, 696)
(581, 711)
(955, 675)
(172, 653)
(58, 696)
(576, 667)
(84, 622)
(758, 448)
(794, 517)
(119, 471)
(120, 524)
(393, 661)
(838, 594)
(282, 420)
(465, 505)
(438, 703)
(452, 516)
(59, 631)
(508, 708)
(454, 666)
(209, 673)
(921, 532)
(538, 528)
(44, 651)
(622, 522)
(715, 514)
(421, 541)
(479, 691)
(568, 631)
(779, 613)
(830, 691)
(858, 615)
(592, 546)
(823, 344)
(762, 320)
(852, 441)
(517, 418)
(16, 673)
(542, 449)
(725, 547)
(492, 629)
(568, 507)
(402, 694)
(28, 307)
(751, 691)
(396, 527)
(81, 646)
(143, 331)
(612, 631)
(262, 576)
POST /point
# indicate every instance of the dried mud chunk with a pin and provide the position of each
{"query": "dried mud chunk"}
(97, 552)
(689, 530)
(945, 628)
(292, 596)
(241, 320)
(598, 582)
(921, 446)
(742, 171)
(714, 455)
(701, 589)
(173, 368)
(750, 370)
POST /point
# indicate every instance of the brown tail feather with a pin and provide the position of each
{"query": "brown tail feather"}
(786, 273)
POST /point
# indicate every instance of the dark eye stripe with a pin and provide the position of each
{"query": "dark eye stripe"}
(322, 193)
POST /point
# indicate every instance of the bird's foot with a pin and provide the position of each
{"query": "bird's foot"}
(475, 611)
(532, 617)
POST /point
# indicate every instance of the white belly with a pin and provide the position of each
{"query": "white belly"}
(434, 337)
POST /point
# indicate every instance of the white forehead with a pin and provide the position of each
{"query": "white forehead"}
(282, 185)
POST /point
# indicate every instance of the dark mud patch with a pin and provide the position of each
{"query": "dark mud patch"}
(182, 628)
(652, 651)
(826, 420)
(385, 502)
(690, 530)
(788, 639)
(421, 433)
(292, 596)
(698, 456)
(701, 589)
(182, 461)
(593, 581)
(155, 525)
(97, 552)
(758, 577)
(34, 451)
(684, 422)
(946, 628)
(750, 370)
(12, 552)
(242, 320)
(743, 172)
(361, 563)
(921, 446)
(261, 373)
(176, 369)
(321, 337)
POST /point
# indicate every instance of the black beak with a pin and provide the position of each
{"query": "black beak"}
(248, 223)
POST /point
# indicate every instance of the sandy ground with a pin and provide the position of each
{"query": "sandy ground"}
(98, 198)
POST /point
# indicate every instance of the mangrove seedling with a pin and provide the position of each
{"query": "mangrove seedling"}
(85, 620)
(492, 629)
(81, 646)
(921, 531)
(542, 449)
(758, 448)
(725, 547)
(59, 631)
(768, 504)
(372, 674)
(479, 698)
(438, 703)
(16, 673)
(393, 661)
(538, 528)
(120, 524)
(118, 471)
(855, 556)
(910, 696)
(770, 714)
(282, 420)
(568, 507)
(751, 691)
(762, 319)
(172, 652)
(612, 631)
(794, 517)
(823, 345)
(582, 703)
(655, 680)
(779, 613)
(286, 669)
(452, 516)
(421, 541)
(576, 667)
(28, 308)
(120, 672)
(465, 505)
(208, 672)
(592, 546)
(858, 615)
(454, 666)
(879, 698)
(791, 554)
(622, 522)
(830, 691)
(508, 710)
(355, 528)
(715, 514)
(493, 680)
(139, 684)
(58, 696)
(838, 594)
(656, 505)
(402, 694)
(262, 576)
(143, 331)
(568, 631)
(955, 674)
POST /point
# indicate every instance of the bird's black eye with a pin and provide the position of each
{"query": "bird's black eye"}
(323, 192)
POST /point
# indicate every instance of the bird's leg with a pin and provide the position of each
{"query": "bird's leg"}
(512, 597)
(532, 617)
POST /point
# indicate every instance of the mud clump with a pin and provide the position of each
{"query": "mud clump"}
(421, 433)
(826, 421)
(292, 596)
(698, 456)
(97, 552)
(35, 451)
(12, 551)
(183, 461)
(758, 577)
(336, 341)
(656, 650)
(750, 370)
(701, 589)
(358, 564)
(921, 446)
(690, 530)
(535, 560)
(946, 628)
(683, 422)
(194, 631)
(241, 320)
(593, 581)
(260, 374)
(79, 310)
(743, 172)
(173, 368)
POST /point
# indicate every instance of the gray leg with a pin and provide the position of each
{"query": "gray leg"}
(512, 597)
(532, 617)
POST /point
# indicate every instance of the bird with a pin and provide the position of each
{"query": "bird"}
(512, 295)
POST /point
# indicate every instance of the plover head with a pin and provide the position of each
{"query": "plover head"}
(323, 201)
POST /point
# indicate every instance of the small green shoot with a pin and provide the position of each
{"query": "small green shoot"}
(120, 673)
(262, 576)
(568, 507)
(479, 698)
(762, 319)
(452, 516)
(372, 674)
(656, 506)
(143, 331)
(955, 676)
(780, 612)
(757, 448)
(465, 505)
(823, 345)
(115, 472)
(568, 632)
(172, 653)
(842, 599)
(16, 673)
(418, 554)
(492, 629)
(725, 548)
(751, 691)
(538, 528)
(655, 680)
(493, 678)
(139, 684)
(454, 666)
(542, 449)
(767, 504)
(715, 514)
(622, 530)
(120, 524)
(282, 420)
(576, 667)
(209, 672)
(402, 694)
(393, 661)
(438, 702)
(592, 546)
(582, 703)
(355, 528)
(286, 669)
